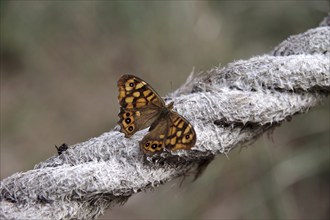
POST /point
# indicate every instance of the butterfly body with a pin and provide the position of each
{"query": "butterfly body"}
(164, 113)
(142, 107)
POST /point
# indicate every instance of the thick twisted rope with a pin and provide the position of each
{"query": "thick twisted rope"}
(229, 107)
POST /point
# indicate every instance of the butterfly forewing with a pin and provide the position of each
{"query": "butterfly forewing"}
(136, 93)
(140, 104)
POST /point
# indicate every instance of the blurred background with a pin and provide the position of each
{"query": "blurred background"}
(60, 62)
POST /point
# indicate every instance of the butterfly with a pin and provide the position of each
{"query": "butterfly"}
(142, 107)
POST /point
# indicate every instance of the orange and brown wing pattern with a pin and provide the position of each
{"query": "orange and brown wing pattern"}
(142, 107)
(172, 133)
(153, 142)
(181, 134)
(136, 93)
(140, 104)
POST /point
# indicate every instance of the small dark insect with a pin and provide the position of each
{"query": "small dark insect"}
(61, 148)
(7, 196)
(43, 199)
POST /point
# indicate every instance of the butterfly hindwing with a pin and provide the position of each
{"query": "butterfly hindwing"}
(173, 133)
(181, 134)
(133, 120)
(154, 141)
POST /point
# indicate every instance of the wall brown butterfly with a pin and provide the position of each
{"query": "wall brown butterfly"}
(142, 107)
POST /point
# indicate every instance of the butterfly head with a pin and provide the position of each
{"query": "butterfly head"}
(170, 106)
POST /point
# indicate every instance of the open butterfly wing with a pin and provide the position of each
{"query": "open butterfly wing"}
(181, 134)
(173, 132)
(154, 141)
(140, 104)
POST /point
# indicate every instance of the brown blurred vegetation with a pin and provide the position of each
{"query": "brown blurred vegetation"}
(60, 61)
